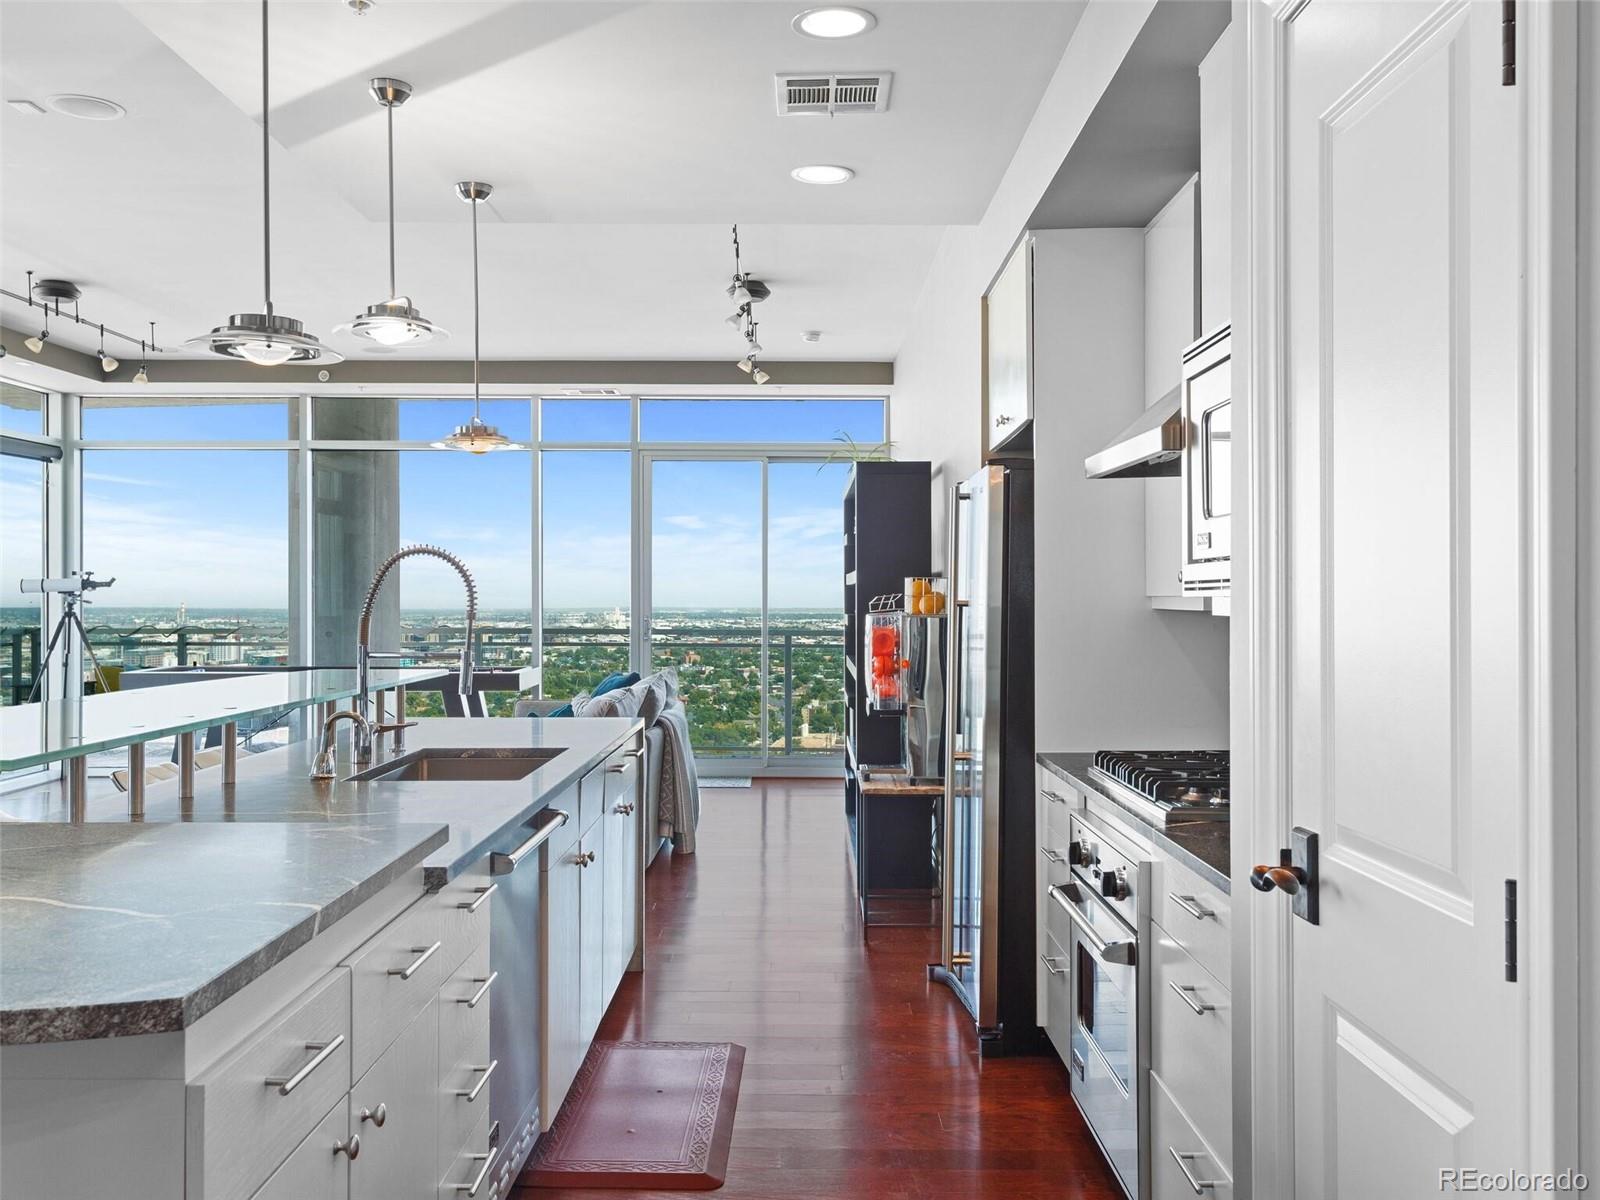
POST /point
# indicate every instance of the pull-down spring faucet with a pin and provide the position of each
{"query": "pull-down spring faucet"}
(363, 699)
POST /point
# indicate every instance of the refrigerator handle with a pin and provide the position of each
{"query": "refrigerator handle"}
(952, 713)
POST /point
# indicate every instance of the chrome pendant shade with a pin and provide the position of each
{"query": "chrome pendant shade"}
(476, 436)
(265, 338)
(395, 322)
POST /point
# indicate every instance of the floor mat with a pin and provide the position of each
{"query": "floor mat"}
(645, 1115)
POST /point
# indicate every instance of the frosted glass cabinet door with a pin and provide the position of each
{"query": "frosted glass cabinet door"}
(1008, 337)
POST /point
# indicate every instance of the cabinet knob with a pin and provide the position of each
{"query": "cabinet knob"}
(350, 1146)
(376, 1115)
(585, 859)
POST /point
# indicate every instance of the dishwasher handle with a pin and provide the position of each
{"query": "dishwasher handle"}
(504, 864)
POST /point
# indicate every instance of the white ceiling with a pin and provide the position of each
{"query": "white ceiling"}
(622, 140)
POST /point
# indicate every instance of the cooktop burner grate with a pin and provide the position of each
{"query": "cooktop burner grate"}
(1178, 783)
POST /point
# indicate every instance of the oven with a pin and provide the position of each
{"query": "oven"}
(1207, 406)
(1107, 938)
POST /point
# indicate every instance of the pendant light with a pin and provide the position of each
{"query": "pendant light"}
(107, 363)
(475, 437)
(142, 375)
(393, 323)
(265, 338)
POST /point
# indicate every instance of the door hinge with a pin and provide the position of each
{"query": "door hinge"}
(1511, 931)
(1508, 43)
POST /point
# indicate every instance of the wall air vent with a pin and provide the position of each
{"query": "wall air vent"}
(590, 391)
(825, 95)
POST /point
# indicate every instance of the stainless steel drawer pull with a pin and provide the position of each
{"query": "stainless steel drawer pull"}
(352, 1147)
(378, 1116)
(552, 819)
(617, 768)
(1191, 906)
(423, 954)
(1200, 1186)
(1049, 795)
(324, 1051)
(637, 752)
(1186, 993)
(1050, 965)
(482, 991)
(471, 1189)
(484, 893)
(1054, 856)
(471, 1095)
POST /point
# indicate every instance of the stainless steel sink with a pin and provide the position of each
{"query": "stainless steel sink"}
(486, 764)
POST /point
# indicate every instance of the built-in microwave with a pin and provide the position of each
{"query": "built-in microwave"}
(1207, 409)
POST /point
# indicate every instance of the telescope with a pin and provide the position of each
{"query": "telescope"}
(71, 585)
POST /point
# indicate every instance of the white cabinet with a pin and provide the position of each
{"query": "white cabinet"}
(593, 865)
(394, 1111)
(622, 851)
(1216, 184)
(561, 964)
(319, 1168)
(1008, 351)
(1171, 323)
(591, 920)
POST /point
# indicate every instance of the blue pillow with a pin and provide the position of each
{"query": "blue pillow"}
(609, 684)
(614, 681)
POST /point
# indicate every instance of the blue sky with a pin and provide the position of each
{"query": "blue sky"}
(210, 528)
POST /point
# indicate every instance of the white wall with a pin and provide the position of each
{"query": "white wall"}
(1113, 671)
(935, 410)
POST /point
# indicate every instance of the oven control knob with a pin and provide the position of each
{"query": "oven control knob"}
(1080, 853)
(1114, 884)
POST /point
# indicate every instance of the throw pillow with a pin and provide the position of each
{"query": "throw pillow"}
(564, 711)
(652, 693)
(615, 680)
(619, 702)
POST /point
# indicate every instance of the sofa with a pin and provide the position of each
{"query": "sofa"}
(654, 763)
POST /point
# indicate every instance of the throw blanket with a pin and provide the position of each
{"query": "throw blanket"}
(679, 810)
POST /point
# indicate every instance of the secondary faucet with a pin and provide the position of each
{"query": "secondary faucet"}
(322, 767)
(364, 654)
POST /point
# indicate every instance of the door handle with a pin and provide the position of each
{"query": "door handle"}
(1294, 874)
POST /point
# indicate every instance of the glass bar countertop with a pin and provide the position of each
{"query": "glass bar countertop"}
(33, 734)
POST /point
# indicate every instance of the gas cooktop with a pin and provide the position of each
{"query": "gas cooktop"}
(1167, 785)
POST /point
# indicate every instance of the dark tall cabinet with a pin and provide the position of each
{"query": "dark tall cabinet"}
(888, 535)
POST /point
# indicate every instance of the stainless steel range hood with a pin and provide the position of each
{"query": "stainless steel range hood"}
(1150, 447)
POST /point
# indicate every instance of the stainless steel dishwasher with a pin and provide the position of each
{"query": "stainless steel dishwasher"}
(514, 1007)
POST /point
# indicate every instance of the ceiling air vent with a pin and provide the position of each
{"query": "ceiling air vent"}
(824, 95)
(590, 391)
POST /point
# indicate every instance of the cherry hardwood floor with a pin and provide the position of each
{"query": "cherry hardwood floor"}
(860, 1080)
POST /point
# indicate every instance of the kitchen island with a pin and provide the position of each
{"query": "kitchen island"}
(300, 967)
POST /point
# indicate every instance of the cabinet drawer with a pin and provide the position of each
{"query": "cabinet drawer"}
(393, 977)
(622, 773)
(1195, 914)
(1193, 1050)
(466, 902)
(1058, 801)
(253, 1108)
(315, 1171)
(1057, 967)
(471, 1172)
(592, 793)
(464, 1052)
(1179, 1156)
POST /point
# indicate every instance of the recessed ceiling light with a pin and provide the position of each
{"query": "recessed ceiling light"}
(87, 108)
(822, 174)
(834, 22)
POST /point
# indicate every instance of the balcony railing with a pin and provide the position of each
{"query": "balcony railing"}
(719, 676)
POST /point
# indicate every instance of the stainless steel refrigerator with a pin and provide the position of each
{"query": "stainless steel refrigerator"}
(987, 947)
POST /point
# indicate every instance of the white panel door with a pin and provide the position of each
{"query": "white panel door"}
(1403, 325)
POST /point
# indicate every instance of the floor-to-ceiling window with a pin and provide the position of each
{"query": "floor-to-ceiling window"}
(23, 549)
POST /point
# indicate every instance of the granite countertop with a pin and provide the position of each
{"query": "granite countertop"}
(111, 930)
(482, 815)
(1200, 845)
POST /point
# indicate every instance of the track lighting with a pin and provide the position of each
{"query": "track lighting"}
(754, 347)
(394, 322)
(107, 363)
(265, 338)
(734, 319)
(37, 341)
(760, 376)
(746, 365)
(741, 294)
(142, 375)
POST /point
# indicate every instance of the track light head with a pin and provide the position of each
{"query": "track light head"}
(141, 375)
(107, 363)
(760, 376)
(36, 343)
(745, 365)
